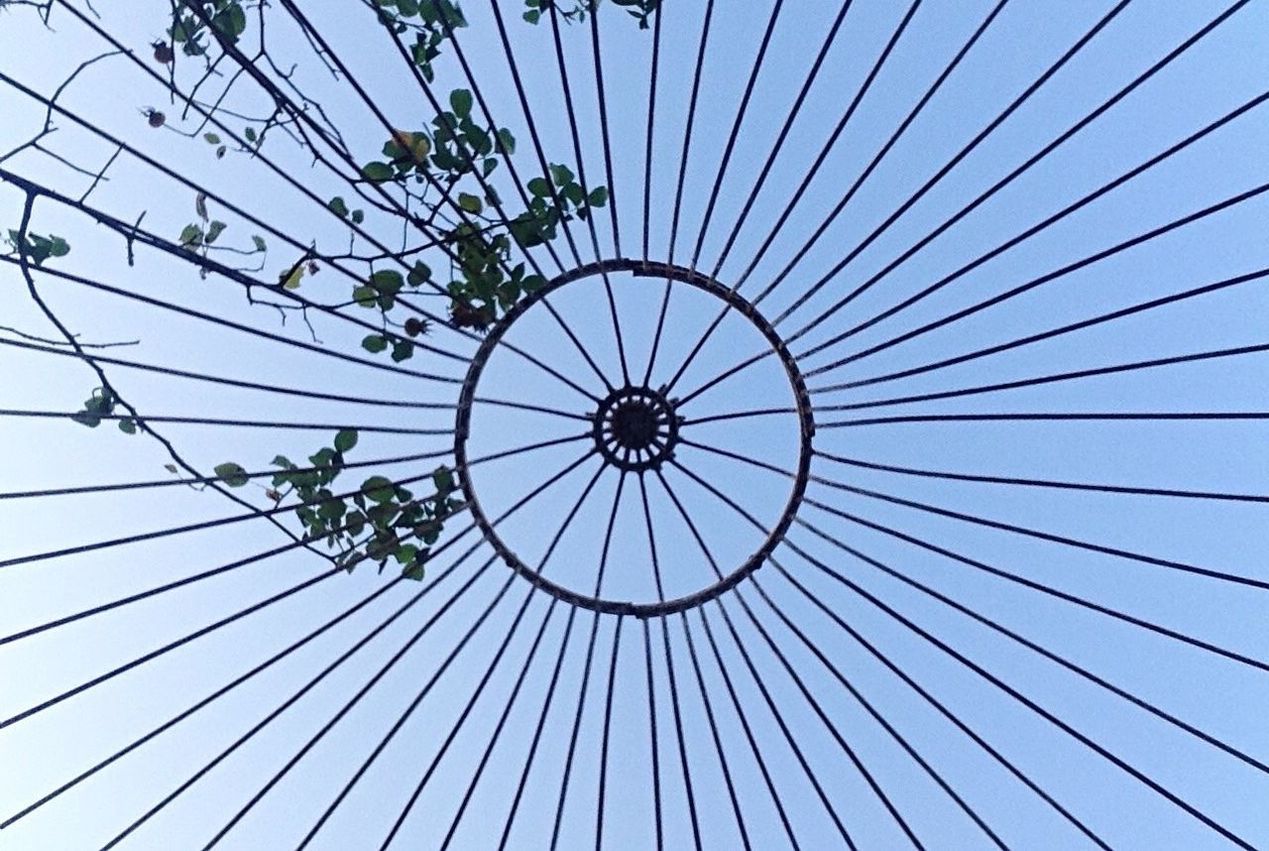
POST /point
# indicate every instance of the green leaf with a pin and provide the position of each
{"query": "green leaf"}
(191, 235)
(539, 187)
(421, 273)
(387, 281)
(250, 134)
(533, 17)
(375, 343)
(402, 350)
(259, 243)
(573, 192)
(506, 141)
(291, 278)
(231, 474)
(332, 509)
(211, 138)
(358, 217)
(58, 247)
(214, 230)
(345, 439)
(443, 479)
(460, 101)
(470, 203)
(365, 296)
(377, 172)
(337, 206)
(127, 425)
(87, 418)
(598, 196)
(414, 571)
(378, 489)
(562, 174)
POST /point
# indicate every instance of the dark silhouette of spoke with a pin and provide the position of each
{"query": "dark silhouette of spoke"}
(713, 730)
(423, 693)
(827, 721)
(1046, 536)
(678, 192)
(418, 790)
(741, 647)
(929, 184)
(498, 728)
(237, 382)
(1048, 654)
(1047, 590)
(750, 738)
(964, 211)
(1138, 775)
(878, 717)
(653, 741)
(1037, 381)
(730, 147)
(201, 480)
(1140, 307)
(1140, 239)
(1034, 229)
(590, 654)
(864, 88)
(946, 713)
(739, 415)
(445, 192)
(522, 785)
(603, 748)
(602, 98)
(581, 173)
(296, 696)
(1045, 483)
(369, 429)
(679, 737)
(1062, 416)
(647, 155)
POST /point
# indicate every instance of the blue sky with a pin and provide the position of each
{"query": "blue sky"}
(1216, 695)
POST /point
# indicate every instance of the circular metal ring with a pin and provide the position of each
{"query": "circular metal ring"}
(642, 403)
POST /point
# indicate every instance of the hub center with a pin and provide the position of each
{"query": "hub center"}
(636, 428)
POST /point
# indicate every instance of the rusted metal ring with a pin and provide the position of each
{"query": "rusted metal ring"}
(663, 271)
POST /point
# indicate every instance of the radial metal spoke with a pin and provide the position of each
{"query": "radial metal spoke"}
(1048, 716)
(1140, 307)
(678, 192)
(946, 713)
(713, 730)
(1041, 587)
(1048, 654)
(1035, 158)
(581, 174)
(1046, 536)
(365, 689)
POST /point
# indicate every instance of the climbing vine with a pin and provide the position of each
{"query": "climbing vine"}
(462, 242)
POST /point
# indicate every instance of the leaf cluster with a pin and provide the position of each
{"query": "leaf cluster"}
(35, 248)
(640, 10)
(227, 17)
(398, 525)
(431, 21)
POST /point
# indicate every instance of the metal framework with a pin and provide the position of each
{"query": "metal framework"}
(786, 521)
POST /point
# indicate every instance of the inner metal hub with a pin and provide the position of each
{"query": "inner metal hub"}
(635, 429)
